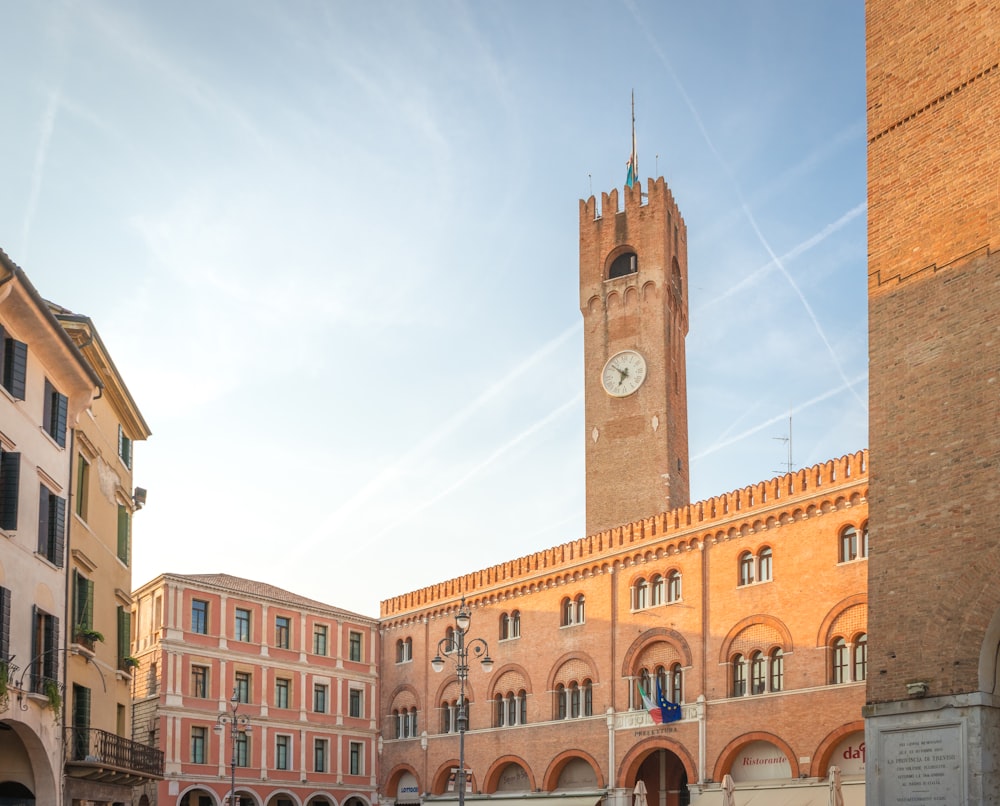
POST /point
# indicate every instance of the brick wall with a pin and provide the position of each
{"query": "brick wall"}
(934, 306)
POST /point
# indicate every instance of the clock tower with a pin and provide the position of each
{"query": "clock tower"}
(633, 296)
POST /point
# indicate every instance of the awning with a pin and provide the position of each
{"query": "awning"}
(532, 799)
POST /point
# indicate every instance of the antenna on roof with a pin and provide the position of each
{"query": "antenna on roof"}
(789, 467)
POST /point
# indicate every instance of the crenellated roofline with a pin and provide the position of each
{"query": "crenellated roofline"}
(778, 500)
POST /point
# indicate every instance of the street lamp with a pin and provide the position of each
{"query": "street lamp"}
(456, 644)
(238, 723)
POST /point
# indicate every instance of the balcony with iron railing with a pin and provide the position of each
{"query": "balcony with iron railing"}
(102, 756)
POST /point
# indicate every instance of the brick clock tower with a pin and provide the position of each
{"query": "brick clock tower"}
(633, 296)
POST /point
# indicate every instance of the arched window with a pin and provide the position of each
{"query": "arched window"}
(656, 590)
(500, 711)
(661, 681)
(404, 650)
(581, 608)
(413, 721)
(567, 611)
(848, 544)
(560, 701)
(674, 586)
(504, 627)
(758, 673)
(522, 704)
(863, 547)
(764, 564)
(398, 723)
(840, 667)
(449, 636)
(739, 676)
(626, 263)
(746, 568)
(588, 698)
(574, 700)
(399, 650)
(777, 669)
(639, 595)
(861, 657)
(642, 683)
(515, 624)
(676, 683)
(448, 717)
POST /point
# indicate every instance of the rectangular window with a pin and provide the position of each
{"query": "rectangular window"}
(354, 702)
(51, 526)
(199, 737)
(199, 616)
(282, 747)
(319, 698)
(82, 483)
(14, 357)
(44, 651)
(241, 629)
(282, 631)
(83, 602)
(354, 646)
(10, 478)
(243, 687)
(355, 758)
(80, 744)
(242, 749)
(54, 414)
(124, 533)
(319, 639)
(124, 448)
(199, 682)
(319, 755)
(282, 686)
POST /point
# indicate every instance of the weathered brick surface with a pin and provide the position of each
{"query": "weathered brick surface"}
(799, 517)
(637, 446)
(934, 306)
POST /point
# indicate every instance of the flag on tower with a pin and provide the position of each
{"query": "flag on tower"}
(632, 173)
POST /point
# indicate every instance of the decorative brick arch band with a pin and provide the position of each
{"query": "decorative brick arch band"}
(492, 779)
(822, 757)
(628, 770)
(550, 781)
(728, 755)
(760, 618)
(651, 637)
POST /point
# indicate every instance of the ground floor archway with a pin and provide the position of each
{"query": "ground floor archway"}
(664, 779)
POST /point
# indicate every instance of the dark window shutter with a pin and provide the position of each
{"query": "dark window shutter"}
(43, 521)
(36, 661)
(59, 426)
(89, 604)
(47, 408)
(10, 473)
(58, 522)
(4, 624)
(51, 664)
(15, 366)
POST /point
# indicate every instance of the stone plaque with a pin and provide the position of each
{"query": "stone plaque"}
(922, 766)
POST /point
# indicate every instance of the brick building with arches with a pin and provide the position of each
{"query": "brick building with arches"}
(748, 609)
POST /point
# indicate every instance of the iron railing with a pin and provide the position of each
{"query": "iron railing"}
(100, 748)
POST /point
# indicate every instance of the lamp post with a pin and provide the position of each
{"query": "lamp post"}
(457, 646)
(238, 723)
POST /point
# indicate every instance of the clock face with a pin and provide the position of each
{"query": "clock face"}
(624, 373)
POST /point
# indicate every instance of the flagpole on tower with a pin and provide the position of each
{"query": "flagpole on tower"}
(632, 173)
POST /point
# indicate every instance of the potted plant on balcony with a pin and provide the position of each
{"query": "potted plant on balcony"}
(88, 636)
(129, 663)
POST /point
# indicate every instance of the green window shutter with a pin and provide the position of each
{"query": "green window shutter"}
(10, 474)
(88, 611)
(124, 448)
(57, 523)
(124, 633)
(124, 527)
(43, 520)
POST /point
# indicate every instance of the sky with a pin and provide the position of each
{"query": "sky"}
(332, 248)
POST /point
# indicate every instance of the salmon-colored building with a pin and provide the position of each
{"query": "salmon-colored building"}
(289, 682)
(747, 610)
